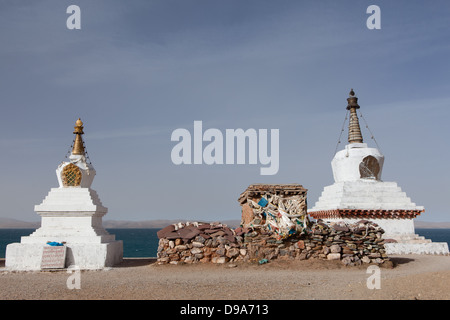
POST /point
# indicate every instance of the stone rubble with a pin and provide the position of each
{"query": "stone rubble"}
(197, 242)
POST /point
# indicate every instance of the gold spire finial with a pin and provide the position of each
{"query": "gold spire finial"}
(79, 123)
(78, 148)
(354, 131)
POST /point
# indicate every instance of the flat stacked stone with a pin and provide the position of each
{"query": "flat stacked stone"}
(353, 244)
(256, 191)
(197, 242)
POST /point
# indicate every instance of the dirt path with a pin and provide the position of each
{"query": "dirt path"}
(413, 277)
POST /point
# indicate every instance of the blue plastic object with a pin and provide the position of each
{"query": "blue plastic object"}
(263, 202)
(55, 244)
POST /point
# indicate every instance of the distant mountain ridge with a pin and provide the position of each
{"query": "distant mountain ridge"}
(431, 225)
(9, 223)
(111, 224)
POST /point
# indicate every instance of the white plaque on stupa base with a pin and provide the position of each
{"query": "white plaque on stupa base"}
(53, 257)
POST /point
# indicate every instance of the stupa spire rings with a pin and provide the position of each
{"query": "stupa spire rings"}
(354, 130)
(78, 147)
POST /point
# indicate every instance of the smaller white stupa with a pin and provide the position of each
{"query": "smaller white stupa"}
(358, 193)
(71, 218)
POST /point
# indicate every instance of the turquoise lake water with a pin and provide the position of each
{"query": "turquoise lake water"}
(144, 242)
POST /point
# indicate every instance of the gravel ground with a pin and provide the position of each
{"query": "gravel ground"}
(412, 277)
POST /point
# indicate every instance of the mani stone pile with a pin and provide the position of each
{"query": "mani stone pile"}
(195, 242)
(192, 242)
(278, 229)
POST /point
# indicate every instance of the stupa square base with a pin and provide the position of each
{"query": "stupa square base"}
(439, 248)
(85, 256)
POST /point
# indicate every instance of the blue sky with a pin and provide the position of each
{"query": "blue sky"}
(137, 70)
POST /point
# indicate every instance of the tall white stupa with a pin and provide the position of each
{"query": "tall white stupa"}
(71, 217)
(358, 193)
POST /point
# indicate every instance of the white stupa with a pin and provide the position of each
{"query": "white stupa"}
(70, 215)
(358, 193)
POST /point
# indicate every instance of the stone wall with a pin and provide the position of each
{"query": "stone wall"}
(197, 242)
